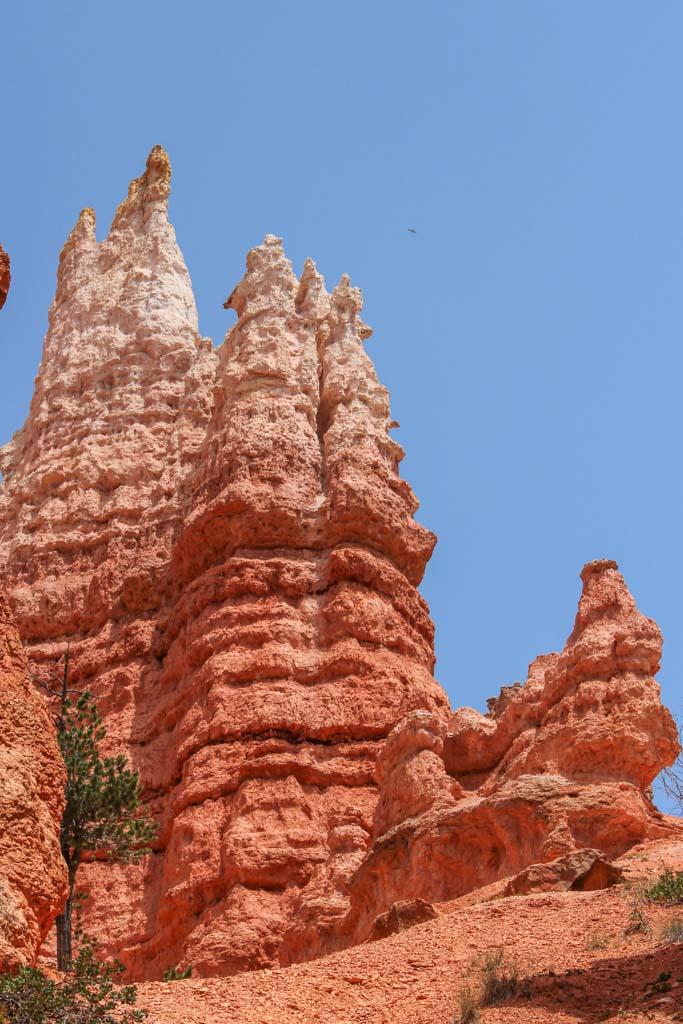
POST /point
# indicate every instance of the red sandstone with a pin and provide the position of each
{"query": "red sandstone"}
(32, 873)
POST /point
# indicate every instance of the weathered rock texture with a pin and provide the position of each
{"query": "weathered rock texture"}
(224, 538)
(32, 872)
(582, 870)
(5, 276)
(561, 763)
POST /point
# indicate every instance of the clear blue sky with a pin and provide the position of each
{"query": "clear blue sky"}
(530, 333)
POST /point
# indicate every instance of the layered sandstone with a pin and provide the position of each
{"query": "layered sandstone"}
(226, 542)
(4, 276)
(224, 539)
(32, 872)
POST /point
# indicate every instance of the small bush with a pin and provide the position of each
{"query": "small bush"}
(469, 1006)
(668, 888)
(637, 923)
(495, 980)
(672, 931)
(662, 983)
(88, 994)
(175, 974)
(499, 980)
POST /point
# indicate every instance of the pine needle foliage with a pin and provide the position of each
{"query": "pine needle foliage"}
(102, 793)
(175, 974)
(102, 816)
(89, 993)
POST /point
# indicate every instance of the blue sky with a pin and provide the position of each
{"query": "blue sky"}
(529, 332)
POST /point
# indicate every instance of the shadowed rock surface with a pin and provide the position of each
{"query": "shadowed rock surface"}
(32, 872)
(224, 538)
(582, 871)
(404, 914)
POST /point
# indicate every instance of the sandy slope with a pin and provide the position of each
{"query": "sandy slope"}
(572, 946)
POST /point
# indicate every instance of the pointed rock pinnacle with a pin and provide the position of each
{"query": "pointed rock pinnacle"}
(312, 300)
(148, 192)
(347, 303)
(269, 282)
(156, 181)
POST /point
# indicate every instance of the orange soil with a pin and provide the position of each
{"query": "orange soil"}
(572, 947)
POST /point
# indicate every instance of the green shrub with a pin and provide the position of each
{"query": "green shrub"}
(667, 889)
(175, 974)
(88, 994)
(662, 983)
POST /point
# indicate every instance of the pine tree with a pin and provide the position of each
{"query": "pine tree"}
(101, 815)
(91, 993)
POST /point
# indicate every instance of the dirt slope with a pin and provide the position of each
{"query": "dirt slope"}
(572, 946)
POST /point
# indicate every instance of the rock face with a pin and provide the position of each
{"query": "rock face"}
(5, 276)
(224, 539)
(32, 872)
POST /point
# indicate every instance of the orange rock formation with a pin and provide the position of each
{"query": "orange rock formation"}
(5, 276)
(32, 872)
(557, 765)
(224, 538)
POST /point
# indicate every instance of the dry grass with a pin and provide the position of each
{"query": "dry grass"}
(672, 930)
(495, 979)
(499, 979)
(468, 1000)
(597, 940)
(637, 923)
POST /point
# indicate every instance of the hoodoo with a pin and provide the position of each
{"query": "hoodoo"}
(223, 538)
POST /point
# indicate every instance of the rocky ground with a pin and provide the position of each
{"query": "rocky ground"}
(573, 947)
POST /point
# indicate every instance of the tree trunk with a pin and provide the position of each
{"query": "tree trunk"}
(64, 934)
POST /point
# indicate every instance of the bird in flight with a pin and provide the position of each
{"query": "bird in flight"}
(412, 231)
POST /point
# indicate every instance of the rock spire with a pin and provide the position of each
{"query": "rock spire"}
(225, 541)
